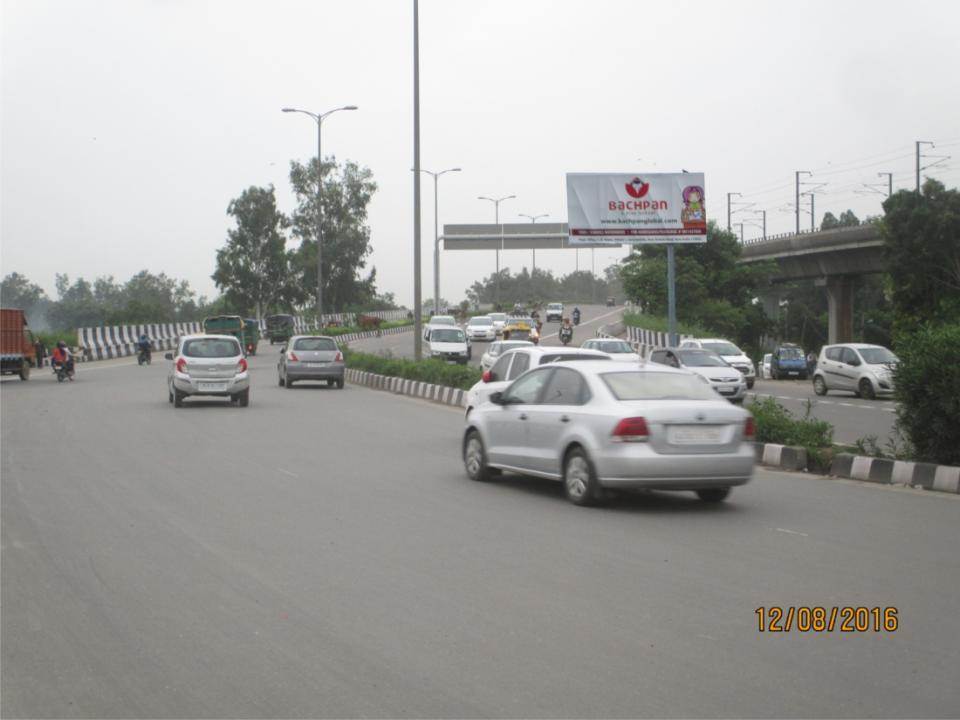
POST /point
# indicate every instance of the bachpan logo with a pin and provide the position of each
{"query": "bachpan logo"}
(637, 188)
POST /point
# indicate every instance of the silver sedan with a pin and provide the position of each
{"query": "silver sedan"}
(598, 425)
(310, 357)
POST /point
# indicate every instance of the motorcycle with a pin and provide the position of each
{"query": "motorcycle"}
(576, 318)
(566, 335)
(63, 371)
(144, 356)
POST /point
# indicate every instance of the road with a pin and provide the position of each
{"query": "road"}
(321, 554)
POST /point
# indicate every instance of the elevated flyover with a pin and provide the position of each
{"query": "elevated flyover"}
(832, 258)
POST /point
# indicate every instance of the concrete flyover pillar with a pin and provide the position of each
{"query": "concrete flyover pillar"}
(839, 307)
(771, 305)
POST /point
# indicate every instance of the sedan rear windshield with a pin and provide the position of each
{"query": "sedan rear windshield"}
(699, 358)
(314, 343)
(211, 348)
(446, 335)
(481, 321)
(791, 353)
(612, 346)
(442, 320)
(657, 386)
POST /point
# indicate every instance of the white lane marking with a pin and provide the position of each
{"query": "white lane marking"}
(791, 532)
(287, 472)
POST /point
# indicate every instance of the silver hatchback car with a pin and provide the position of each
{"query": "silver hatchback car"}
(310, 357)
(598, 425)
(211, 365)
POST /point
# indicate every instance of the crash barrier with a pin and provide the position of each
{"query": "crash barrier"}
(647, 340)
(102, 343)
(414, 388)
(942, 478)
(303, 325)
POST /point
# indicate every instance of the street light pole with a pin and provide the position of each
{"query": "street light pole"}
(730, 195)
(319, 118)
(796, 176)
(533, 219)
(436, 234)
(496, 212)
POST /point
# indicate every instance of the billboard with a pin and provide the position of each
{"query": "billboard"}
(636, 208)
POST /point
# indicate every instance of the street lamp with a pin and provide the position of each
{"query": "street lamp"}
(436, 235)
(496, 205)
(319, 118)
(533, 219)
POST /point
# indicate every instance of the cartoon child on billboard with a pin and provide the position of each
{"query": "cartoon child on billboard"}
(693, 215)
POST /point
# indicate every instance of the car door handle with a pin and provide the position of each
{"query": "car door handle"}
(523, 416)
(564, 418)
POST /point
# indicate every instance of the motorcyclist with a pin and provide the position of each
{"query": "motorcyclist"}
(534, 335)
(566, 331)
(62, 356)
(576, 316)
(143, 345)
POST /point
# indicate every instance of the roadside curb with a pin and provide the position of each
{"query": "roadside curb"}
(883, 471)
(440, 394)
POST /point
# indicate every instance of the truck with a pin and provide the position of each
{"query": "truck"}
(17, 354)
(279, 327)
(228, 325)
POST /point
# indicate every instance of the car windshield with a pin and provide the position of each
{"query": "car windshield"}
(314, 343)
(498, 317)
(700, 358)
(657, 386)
(791, 353)
(722, 348)
(442, 320)
(211, 348)
(612, 346)
(877, 356)
(480, 321)
(447, 335)
(555, 306)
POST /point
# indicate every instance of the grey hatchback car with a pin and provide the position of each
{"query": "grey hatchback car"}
(310, 357)
(211, 365)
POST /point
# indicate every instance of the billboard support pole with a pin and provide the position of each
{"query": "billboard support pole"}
(671, 296)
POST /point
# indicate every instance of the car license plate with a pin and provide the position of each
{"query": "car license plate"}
(728, 389)
(212, 387)
(794, 372)
(694, 435)
(315, 364)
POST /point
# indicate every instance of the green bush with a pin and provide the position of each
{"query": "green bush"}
(437, 372)
(347, 329)
(50, 338)
(928, 392)
(776, 424)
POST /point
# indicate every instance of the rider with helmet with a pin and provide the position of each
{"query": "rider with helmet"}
(576, 316)
(143, 346)
(62, 356)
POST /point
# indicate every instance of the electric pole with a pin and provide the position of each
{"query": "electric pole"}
(797, 205)
(730, 195)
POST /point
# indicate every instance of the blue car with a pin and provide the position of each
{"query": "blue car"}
(788, 361)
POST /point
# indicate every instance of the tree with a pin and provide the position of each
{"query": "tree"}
(253, 268)
(713, 288)
(16, 291)
(921, 234)
(829, 221)
(847, 219)
(347, 190)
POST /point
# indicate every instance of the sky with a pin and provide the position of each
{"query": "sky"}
(127, 126)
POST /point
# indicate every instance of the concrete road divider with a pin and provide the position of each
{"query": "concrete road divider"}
(784, 457)
(414, 388)
(929, 476)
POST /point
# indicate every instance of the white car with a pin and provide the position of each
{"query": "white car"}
(499, 320)
(554, 312)
(481, 328)
(864, 370)
(211, 365)
(439, 321)
(729, 352)
(449, 343)
(765, 366)
(514, 363)
(498, 348)
(725, 379)
(618, 350)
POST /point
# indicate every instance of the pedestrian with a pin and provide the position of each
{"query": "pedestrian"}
(41, 352)
(811, 362)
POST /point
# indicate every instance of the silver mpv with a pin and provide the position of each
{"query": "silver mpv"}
(597, 425)
(211, 365)
(310, 357)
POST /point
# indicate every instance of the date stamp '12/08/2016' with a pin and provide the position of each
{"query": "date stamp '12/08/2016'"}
(776, 619)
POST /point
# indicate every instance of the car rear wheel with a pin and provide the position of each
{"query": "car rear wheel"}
(178, 398)
(713, 495)
(579, 479)
(288, 381)
(340, 384)
(475, 458)
(819, 386)
(169, 395)
(243, 399)
(866, 390)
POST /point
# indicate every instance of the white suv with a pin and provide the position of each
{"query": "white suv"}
(554, 312)
(729, 352)
(865, 370)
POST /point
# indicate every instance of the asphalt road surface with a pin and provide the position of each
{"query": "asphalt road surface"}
(321, 554)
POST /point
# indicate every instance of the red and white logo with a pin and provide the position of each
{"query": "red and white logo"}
(637, 188)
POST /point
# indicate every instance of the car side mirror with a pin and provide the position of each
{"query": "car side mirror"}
(855, 362)
(496, 398)
(168, 356)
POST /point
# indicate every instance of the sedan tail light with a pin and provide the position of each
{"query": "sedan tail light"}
(292, 356)
(338, 357)
(182, 365)
(242, 365)
(487, 376)
(631, 430)
(750, 429)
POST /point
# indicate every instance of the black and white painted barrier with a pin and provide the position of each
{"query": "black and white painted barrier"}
(102, 343)
(942, 478)
(784, 457)
(647, 340)
(414, 388)
(350, 337)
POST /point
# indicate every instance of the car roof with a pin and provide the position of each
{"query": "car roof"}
(325, 337)
(856, 346)
(554, 349)
(703, 340)
(208, 336)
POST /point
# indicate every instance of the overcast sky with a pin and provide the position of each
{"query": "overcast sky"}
(128, 125)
